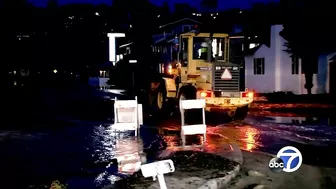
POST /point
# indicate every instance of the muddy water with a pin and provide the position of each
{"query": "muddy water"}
(80, 153)
(268, 134)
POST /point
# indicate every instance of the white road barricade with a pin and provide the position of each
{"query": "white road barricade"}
(127, 115)
(192, 129)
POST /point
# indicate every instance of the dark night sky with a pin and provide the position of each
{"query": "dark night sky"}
(223, 4)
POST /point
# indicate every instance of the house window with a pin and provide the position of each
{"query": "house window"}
(259, 66)
(252, 45)
(102, 73)
(186, 28)
(310, 64)
(201, 48)
(128, 50)
(295, 65)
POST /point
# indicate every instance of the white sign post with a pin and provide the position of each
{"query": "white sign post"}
(112, 45)
(133, 79)
(158, 169)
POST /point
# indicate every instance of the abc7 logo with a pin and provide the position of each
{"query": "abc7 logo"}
(276, 165)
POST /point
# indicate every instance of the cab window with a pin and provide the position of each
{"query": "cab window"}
(218, 45)
(201, 48)
(184, 52)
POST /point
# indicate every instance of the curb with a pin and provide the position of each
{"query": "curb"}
(220, 183)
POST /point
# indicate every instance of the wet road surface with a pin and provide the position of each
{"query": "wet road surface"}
(79, 154)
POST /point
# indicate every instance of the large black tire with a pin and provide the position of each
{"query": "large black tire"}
(158, 100)
(241, 113)
(188, 93)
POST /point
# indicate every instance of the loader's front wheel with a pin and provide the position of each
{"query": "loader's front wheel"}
(159, 100)
(187, 93)
(231, 113)
(241, 113)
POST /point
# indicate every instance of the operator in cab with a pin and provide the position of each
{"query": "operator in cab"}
(204, 50)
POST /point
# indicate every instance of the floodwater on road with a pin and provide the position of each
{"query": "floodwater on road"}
(253, 133)
(314, 137)
(79, 154)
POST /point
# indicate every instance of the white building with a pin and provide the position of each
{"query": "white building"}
(100, 76)
(271, 69)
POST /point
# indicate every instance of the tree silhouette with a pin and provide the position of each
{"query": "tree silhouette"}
(142, 17)
(16, 20)
(184, 9)
(304, 37)
(54, 30)
(16, 4)
(209, 4)
(52, 4)
(121, 11)
(165, 9)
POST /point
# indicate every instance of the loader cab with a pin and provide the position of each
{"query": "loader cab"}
(196, 54)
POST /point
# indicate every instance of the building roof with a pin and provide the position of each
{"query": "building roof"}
(105, 65)
(283, 35)
(170, 38)
(126, 45)
(333, 58)
(262, 37)
(250, 52)
(165, 39)
(179, 21)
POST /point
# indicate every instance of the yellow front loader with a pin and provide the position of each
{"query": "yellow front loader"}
(204, 70)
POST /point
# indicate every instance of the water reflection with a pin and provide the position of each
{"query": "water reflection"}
(262, 133)
(250, 139)
(247, 137)
(300, 120)
(124, 147)
(80, 152)
(128, 154)
(171, 140)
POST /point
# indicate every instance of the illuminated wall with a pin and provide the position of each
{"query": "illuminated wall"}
(278, 69)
